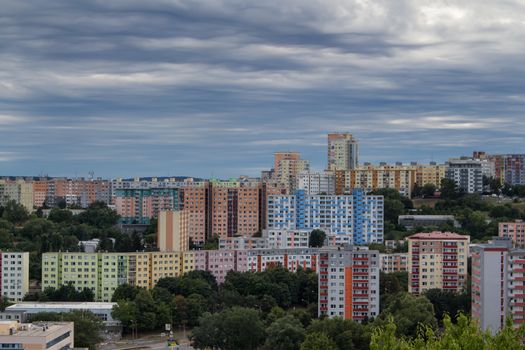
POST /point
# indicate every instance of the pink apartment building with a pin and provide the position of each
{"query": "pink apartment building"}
(513, 230)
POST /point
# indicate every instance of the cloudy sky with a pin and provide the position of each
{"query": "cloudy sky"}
(213, 88)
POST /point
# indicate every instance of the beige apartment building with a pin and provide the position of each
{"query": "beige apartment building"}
(437, 260)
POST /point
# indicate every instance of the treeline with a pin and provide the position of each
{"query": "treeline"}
(464, 334)
(478, 217)
(63, 293)
(183, 300)
(62, 231)
(275, 309)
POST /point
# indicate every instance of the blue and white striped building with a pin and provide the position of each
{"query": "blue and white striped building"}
(359, 215)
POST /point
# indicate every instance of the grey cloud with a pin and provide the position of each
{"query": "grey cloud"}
(220, 85)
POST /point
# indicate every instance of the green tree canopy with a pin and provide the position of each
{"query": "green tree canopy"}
(236, 328)
(15, 213)
(317, 341)
(286, 333)
(463, 335)
(408, 312)
(316, 239)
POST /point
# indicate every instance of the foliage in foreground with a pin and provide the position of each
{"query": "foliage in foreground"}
(465, 334)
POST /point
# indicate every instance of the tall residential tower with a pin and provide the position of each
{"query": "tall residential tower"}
(343, 151)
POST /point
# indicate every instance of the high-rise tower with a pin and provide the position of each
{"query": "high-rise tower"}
(343, 151)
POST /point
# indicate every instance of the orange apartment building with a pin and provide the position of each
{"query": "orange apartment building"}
(234, 208)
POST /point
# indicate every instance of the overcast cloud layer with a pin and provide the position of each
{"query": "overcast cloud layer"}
(213, 88)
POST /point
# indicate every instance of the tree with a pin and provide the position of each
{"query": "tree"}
(67, 293)
(429, 190)
(4, 302)
(448, 303)
(408, 312)
(392, 209)
(346, 334)
(316, 239)
(126, 312)
(212, 243)
(392, 283)
(286, 333)
(15, 213)
(60, 215)
(230, 329)
(317, 341)
(463, 335)
(146, 311)
(125, 292)
(87, 326)
(448, 189)
(99, 215)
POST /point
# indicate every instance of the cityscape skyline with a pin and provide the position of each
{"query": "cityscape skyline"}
(214, 90)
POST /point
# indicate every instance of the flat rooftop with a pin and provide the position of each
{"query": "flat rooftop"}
(61, 305)
(33, 329)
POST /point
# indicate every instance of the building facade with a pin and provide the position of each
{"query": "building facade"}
(468, 173)
(498, 284)
(393, 262)
(510, 168)
(19, 190)
(14, 275)
(343, 151)
(515, 231)
(348, 283)
(286, 168)
(172, 231)
(358, 215)
(437, 260)
(370, 178)
(104, 272)
(316, 183)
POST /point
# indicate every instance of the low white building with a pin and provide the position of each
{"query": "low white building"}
(23, 311)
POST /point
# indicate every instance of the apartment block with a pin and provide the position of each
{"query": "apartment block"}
(515, 231)
(14, 275)
(138, 206)
(429, 174)
(437, 260)
(343, 151)
(195, 204)
(498, 284)
(37, 336)
(316, 183)
(100, 272)
(165, 264)
(234, 208)
(370, 178)
(18, 190)
(104, 272)
(393, 262)
(287, 166)
(271, 239)
(468, 173)
(349, 283)
(172, 231)
(510, 168)
(358, 215)
(292, 259)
